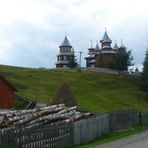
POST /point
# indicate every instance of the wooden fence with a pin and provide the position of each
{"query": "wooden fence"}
(88, 129)
(123, 119)
(143, 118)
(29, 101)
(37, 137)
(68, 135)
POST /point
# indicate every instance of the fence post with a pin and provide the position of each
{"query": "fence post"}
(140, 118)
(71, 134)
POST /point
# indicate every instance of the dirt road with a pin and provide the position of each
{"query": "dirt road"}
(139, 140)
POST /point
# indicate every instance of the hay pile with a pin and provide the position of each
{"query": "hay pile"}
(64, 96)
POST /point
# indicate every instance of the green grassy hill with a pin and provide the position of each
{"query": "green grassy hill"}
(94, 91)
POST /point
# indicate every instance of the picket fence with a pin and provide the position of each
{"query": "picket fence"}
(69, 135)
(37, 137)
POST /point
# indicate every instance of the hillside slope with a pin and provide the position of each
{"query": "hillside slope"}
(94, 91)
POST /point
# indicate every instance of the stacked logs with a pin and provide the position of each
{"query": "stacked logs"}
(53, 115)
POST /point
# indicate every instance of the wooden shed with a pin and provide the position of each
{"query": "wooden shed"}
(7, 94)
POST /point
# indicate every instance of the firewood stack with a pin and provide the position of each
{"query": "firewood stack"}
(53, 115)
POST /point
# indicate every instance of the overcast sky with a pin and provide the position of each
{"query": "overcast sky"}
(32, 30)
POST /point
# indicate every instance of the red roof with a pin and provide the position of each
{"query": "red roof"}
(2, 77)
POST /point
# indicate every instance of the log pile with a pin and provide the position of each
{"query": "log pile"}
(54, 115)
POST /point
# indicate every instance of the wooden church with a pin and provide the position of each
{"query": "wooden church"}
(106, 52)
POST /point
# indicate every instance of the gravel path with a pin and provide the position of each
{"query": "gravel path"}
(139, 140)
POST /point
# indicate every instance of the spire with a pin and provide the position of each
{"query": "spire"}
(97, 46)
(115, 46)
(65, 42)
(91, 44)
(122, 46)
(105, 37)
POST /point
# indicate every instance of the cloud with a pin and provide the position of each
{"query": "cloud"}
(32, 30)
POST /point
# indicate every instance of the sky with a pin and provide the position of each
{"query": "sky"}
(32, 30)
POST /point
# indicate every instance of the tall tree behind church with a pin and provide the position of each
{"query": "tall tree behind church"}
(122, 60)
(72, 60)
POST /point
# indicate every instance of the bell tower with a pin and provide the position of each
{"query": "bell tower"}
(65, 52)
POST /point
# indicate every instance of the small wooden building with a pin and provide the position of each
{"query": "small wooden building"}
(7, 94)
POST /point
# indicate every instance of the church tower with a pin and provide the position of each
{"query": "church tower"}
(106, 50)
(97, 47)
(65, 52)
(106, 42)
(115, 48)
(90, 59)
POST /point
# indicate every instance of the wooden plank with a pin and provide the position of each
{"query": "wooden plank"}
(144, 117)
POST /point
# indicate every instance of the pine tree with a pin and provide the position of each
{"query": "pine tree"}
(143, 81)
(145, 63)
(122, 60)
(72, 60)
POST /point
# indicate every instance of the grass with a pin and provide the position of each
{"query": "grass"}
(114, 136)
(19, 104)
(94, 91)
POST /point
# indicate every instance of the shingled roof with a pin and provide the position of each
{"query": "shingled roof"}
(105, 37)
(65, 42)
(115, 46)
(97, 46)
